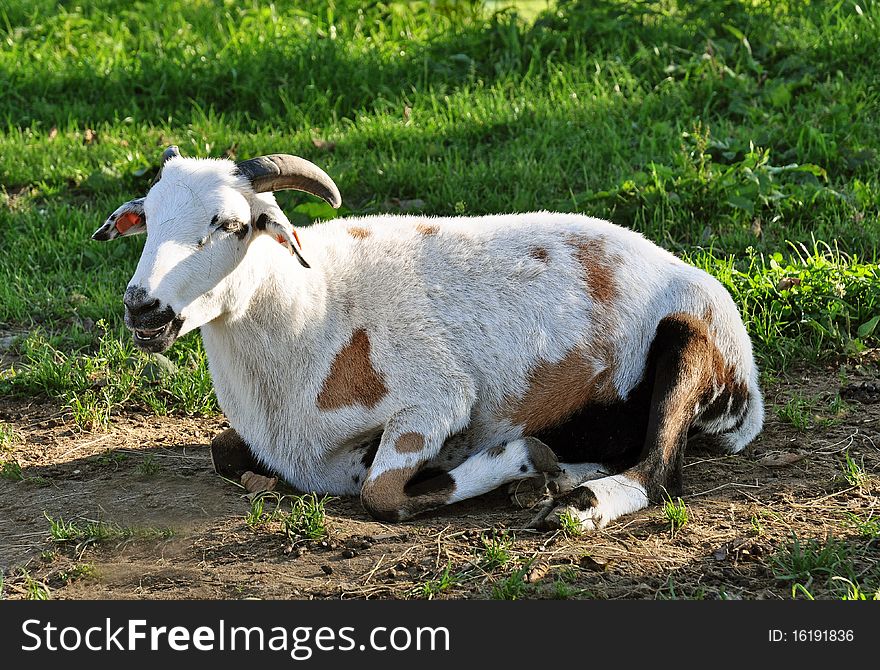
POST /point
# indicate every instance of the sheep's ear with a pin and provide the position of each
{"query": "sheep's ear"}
(128, 219)
(282, 230)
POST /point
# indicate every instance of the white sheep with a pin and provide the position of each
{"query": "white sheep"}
(421, 361)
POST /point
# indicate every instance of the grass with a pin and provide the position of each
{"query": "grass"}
(307, 518)
(150, 466)
(799, 560)
(432, 588)
(10, 470)
(853, 471)
(109, 379)
(33, 588)
(91, 532)
(257, 516)
(78, 571)
(301, 517)
(569, 524)
(497, 551)
(8, 436)
(868, 528)
(831, 567)
(806, 413)
(512, 587)
(676, 514)
(745, 140)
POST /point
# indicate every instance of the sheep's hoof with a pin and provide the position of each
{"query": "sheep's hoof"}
(527, 493)
(231, 456)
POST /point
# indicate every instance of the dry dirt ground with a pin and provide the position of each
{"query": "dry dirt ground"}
(189, 538)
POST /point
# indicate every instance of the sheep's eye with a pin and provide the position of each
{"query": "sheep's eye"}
(228, 225)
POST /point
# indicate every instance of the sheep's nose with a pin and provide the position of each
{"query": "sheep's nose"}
(137, 302)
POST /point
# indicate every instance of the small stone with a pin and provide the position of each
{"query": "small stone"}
(158, 367)
(327, 569)
(349, 553)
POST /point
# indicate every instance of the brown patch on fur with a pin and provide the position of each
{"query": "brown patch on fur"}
(638, 476)
(352, 379)
(496, 451)
(692, 380)
(558, 390)
(427, 229)
(383, 497)
(539, 254)
(358, 233)
(704, 377)
(598, 267)
(390, 496)
(409, 443)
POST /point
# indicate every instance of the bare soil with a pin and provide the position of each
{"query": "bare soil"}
(189, 539)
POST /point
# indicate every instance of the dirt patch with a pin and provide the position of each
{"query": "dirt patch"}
(185, 534)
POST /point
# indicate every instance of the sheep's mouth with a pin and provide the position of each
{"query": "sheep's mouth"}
(147, 335)
(155, 340)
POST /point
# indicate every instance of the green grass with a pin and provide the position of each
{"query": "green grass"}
(33, 588)
(78, 571)
(806, 413)
(431, 588)
(258, 516)
(570, 525)
(868, 528)
(854, 471)
(799, 560)
(91, 532)
(10, 470)
(150, 466)
(829, 568)
(676, 514)
(743, 136)
(497, 551)
(8, 436)
(302, 517)
(307, 518)
(512, 587)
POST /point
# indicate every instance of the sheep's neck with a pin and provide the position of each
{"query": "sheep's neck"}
(278, 295)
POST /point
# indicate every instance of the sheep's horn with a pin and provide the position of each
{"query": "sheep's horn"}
(168, 154)
(277, 172)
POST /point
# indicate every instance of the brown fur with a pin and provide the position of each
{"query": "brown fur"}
(427, 229)
(539, 254)
(358, 233)
(557, 390)
(383, 497)
(389, 498)
(598, 268)
(352, 379)
(409, 443)
(694, 378)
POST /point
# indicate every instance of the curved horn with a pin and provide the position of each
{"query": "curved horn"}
(169, 153)
(277, 172)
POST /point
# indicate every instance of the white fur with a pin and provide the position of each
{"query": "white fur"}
(616, 496)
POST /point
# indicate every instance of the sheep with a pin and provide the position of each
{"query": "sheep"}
(420, 361)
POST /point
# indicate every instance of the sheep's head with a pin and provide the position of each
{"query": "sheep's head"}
(201, 216)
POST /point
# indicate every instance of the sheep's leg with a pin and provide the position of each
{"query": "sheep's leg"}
(526, 493)
(680, 367)
(232, 457)
(406, 489)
